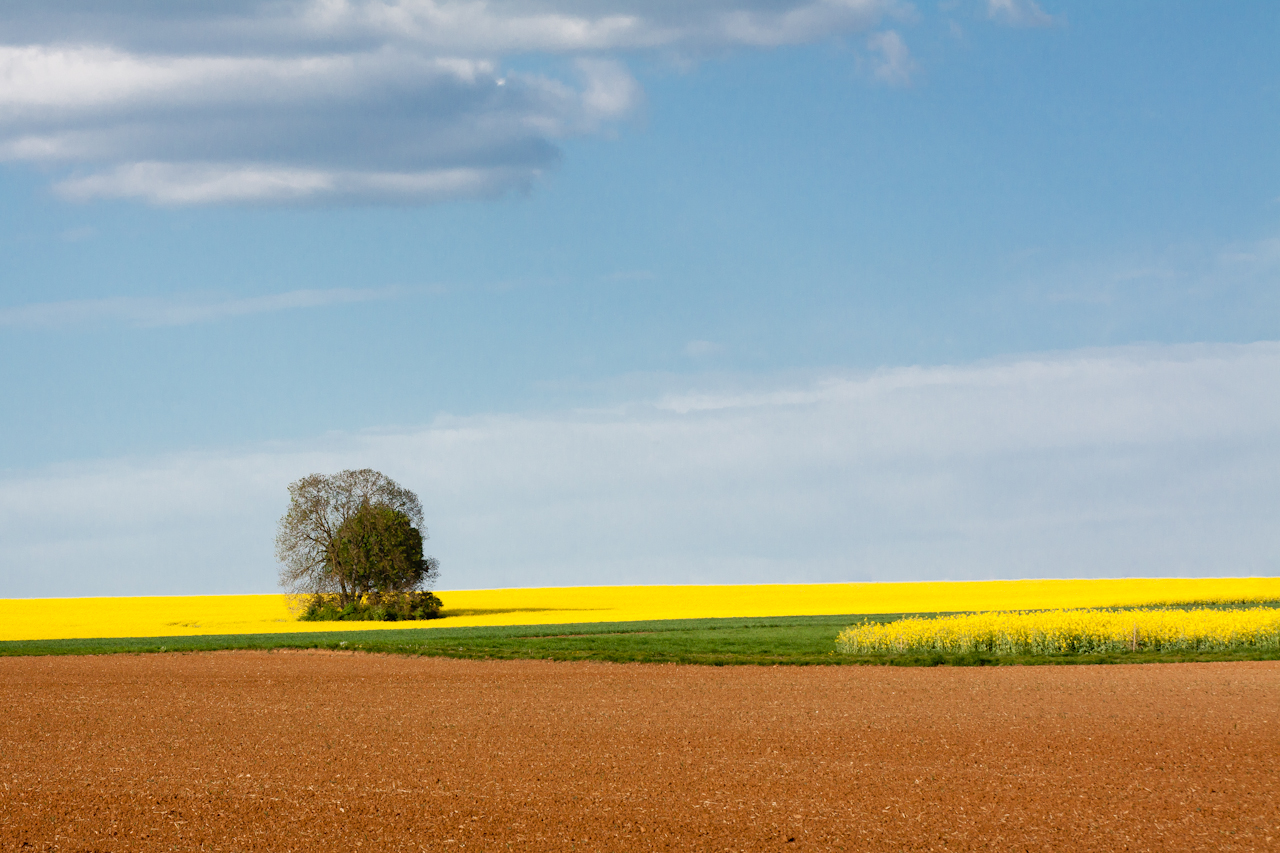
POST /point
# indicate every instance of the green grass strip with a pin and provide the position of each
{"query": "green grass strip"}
(788, 640)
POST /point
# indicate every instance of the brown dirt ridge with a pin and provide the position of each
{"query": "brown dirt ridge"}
(263, 751)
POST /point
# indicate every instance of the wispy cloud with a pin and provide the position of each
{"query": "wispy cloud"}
(702, 349)
(1158, 461)
(1237, 276)
(324, 101)
(1258, 256)
(143, 312)
(1020, 13)
(892, 62)
(211, 183)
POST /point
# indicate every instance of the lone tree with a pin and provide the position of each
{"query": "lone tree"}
(351, 545)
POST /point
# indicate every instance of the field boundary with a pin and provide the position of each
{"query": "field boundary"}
(759, 641)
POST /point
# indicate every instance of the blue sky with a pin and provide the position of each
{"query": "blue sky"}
(246, 241)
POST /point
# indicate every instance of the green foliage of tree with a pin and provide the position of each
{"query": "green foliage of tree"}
(379, 551)
(350, 546)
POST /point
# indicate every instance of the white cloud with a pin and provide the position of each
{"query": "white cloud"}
(475, 26)
(169, 311)
(377, 126)
(1019, 13)
(800, 23)
(340, 100)
(48, 81)
(893, 64)
(1162, 461)
(610, 91)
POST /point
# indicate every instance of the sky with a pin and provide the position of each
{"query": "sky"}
(641, 292)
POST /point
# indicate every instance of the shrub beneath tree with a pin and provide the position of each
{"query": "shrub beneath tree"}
(376, 607)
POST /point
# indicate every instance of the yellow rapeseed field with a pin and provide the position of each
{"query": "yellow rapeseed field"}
(166, 616)
(1083, 631)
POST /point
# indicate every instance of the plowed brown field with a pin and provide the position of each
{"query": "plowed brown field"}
(344, 752)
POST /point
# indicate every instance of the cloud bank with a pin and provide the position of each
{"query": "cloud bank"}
(331, 101)
(1161, 461)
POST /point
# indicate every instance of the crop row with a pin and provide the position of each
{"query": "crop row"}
(1082, 631)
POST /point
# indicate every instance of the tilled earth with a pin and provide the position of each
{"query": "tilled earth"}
(272, 751)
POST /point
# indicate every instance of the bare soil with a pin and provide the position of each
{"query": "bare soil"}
(271, 751)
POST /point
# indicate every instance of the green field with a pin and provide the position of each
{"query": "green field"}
(790, 640)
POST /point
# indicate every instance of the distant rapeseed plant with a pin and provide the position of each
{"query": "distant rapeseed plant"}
(160, 616)
(1069, 632)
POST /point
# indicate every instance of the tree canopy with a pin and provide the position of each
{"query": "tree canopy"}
(350, 535)
(379, 550)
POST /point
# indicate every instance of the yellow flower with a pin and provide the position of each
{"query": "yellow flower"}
(1080, 631)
